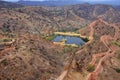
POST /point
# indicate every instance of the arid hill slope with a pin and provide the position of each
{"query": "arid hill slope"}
(26, 55)
(30, 58)
(99, 59)
(45, 20)
(4, 4)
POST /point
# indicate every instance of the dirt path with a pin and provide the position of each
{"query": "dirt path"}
(105, 55)
(105, 39)
(116, 35)
(10, 46)
(64, 73)
(62, 76)
(99, 68)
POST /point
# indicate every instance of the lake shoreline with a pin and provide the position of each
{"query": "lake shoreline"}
(70, 34)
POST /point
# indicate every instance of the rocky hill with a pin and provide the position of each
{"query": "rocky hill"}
(99, 59)
(25, 54)
(50, 19)
(49, 2)
(64, 2)
(4, 4)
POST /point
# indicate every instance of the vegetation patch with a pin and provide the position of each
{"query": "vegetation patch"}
(46, 74)
(5, 62)
(69, 49)
(116, 43)
(91, 68)
(50, 37)
(6, 39)
(85, 39)
(117, 70)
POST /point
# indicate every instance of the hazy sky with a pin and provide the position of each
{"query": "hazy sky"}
(18, 0)
(92, 1)
(79, 0)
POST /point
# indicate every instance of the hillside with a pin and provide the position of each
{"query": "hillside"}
(4, 4)
(97, 60)
(26, 53)
(49, 2)
(64, 2)
(29, 57)
(45, 20)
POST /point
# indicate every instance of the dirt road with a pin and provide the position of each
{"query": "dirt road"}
(111, 50)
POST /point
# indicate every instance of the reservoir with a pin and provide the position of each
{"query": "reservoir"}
(69, 40)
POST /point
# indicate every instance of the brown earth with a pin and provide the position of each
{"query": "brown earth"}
(30, 57)
(102, 56)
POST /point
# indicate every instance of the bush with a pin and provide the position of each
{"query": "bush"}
(91, 68)
(5, 40)
(50, 37)
(116, 43)
(69, 48)
(85, 39)
(4, 62)
(117, 70)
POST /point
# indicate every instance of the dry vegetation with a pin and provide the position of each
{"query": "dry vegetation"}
(29, 56)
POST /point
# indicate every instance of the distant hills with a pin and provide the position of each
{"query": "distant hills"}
(117, 7)
(50, 19)
(49, 2)
(4, 4)
(62, 2)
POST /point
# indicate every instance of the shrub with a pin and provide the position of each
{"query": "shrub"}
(4, 62)
(5, 40)
(50, 37)
(117, 70)
(116, 43)
(85, 39)
(69, 48)
(91, 68)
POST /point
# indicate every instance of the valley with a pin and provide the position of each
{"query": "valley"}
(74, 42)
